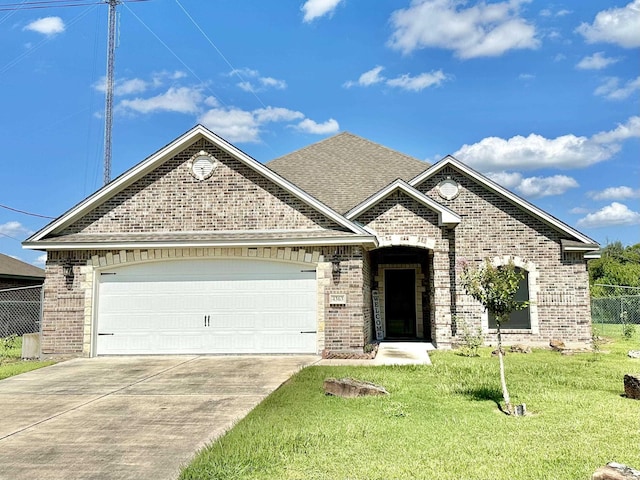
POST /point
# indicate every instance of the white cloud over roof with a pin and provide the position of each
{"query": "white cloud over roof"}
(481, 30)
(534, 187)
(615, 193)
(620, 26)
(615, 214)
(536, 151)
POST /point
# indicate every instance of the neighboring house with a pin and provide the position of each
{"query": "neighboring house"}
(15, 273)
(202, 249)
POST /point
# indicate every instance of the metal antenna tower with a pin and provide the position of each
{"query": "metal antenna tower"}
(108, 102)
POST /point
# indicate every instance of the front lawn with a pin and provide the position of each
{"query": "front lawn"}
(10, 358)
(441, 422)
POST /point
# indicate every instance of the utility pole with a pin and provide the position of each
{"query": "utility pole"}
(108, 103)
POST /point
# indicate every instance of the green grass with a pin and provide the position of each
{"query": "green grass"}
(10, 359)
(440, 422)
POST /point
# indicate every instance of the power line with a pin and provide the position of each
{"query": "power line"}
(26, 213)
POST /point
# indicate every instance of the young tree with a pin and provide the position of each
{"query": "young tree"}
(495, 288)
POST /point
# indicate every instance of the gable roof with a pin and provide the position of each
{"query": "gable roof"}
(11, 267)
(587, 243)
(150, 163)
(345, 169)
(446, 216)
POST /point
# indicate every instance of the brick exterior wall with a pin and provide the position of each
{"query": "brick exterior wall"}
(169, 199)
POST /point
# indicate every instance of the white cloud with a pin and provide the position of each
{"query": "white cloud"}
(631, 129)
(534, 186)
(13, 229)
(405, 82)
(318, 8)
(597, 61)
(615, 193)
(536, 151)
(237, 125)
(263, 83)
(616, 214)
(620, 26)
(123, 86)
(508, 180)
(578, 210)
(309, 126)
(419, 82)
(46, 26)
(481, 30)
(546, 186)
(276, 114)
(526, 76)
(370, 77)
(233, 124)
(175, 99)
(611, 89)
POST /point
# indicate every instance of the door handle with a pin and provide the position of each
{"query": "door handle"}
(207, 320)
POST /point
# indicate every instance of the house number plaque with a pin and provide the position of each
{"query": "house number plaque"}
(337, 299)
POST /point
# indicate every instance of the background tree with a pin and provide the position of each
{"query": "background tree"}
(495, 288)
(617, 265)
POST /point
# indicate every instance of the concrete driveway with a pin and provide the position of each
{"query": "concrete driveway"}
(128, 417)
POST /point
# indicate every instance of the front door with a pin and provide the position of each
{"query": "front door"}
(400, 303)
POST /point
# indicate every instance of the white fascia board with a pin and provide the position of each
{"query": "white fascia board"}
(512, 197)
(446, 216)
(365, 240)
(144, 167)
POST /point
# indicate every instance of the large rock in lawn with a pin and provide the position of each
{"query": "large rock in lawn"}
(557, 345)
(634, 354)
(520, 348)
(351, 388)
(616, 471)
(632, 386)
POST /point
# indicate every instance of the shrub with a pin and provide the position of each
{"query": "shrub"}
(471, 339)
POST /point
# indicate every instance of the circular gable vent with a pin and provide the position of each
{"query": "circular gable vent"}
(202, 165)
(448, 189)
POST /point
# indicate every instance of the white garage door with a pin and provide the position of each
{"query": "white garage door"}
(207, 306)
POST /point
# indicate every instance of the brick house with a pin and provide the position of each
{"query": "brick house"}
(202, 249)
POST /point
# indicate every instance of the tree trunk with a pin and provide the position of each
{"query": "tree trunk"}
(503, 381)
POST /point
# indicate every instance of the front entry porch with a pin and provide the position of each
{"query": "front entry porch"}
(402, 281)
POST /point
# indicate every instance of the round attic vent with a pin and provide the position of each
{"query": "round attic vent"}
(202, 165)
(448, 189)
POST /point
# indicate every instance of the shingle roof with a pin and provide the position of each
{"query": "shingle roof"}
(344, 170)
(9, 266)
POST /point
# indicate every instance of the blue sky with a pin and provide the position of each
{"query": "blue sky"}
(542, 96)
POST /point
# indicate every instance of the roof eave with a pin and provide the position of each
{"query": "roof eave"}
(364, 240)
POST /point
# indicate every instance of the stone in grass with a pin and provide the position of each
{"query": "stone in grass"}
(557, 345)
(634, 354)
(632, 386)
(520, 348)
(616, 471)
(351, 388)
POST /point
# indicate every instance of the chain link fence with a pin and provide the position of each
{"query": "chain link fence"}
(612, 313)
(20, 311)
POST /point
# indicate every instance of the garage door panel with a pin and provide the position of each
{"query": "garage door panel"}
(207, 306)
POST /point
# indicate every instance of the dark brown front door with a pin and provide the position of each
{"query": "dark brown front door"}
(400, 303)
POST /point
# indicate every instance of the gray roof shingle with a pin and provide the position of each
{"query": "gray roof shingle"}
(11, 267)
(344, 170)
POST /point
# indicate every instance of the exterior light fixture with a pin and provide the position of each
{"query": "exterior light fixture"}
(335, 263)
(67, 270)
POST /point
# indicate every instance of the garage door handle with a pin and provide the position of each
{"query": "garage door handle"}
(207, 320)
(310, 331)
(105, 334)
